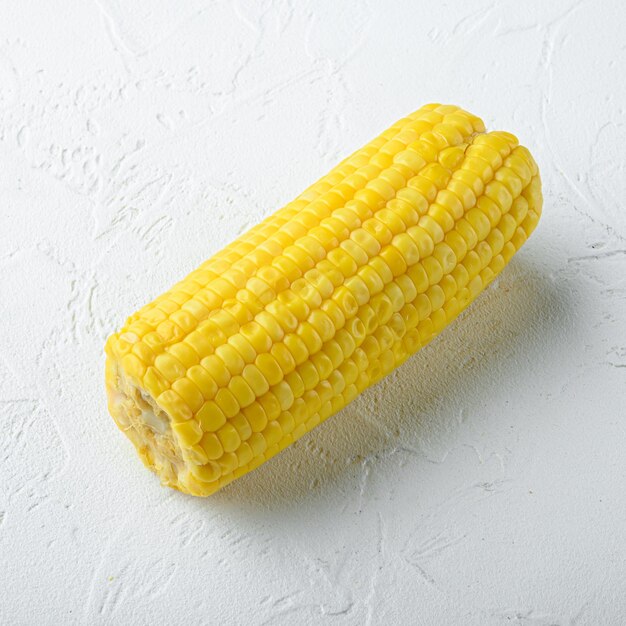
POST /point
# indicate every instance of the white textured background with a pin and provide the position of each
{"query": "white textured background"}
(483, 483)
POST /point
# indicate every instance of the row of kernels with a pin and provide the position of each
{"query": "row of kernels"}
(391, 357)
(259, 234)
(446, 286)
(353, 252)
(435, 277)
(323, 202)
(489, 267)
(310, 374)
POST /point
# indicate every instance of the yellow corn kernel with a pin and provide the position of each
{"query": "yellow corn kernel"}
(270, 405)
(242, 426)
(174, 406)
(188, 433)
(169, 367)
(203, 381)
(211, 416)
(216, 369)
(229, 437)
(256, 417)
(189, 392)
(240, 389)
(206, 473)
(134, 366)
(269, 368)
(212, 446)
(228, 463)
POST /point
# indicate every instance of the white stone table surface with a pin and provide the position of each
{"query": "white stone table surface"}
(483, 483)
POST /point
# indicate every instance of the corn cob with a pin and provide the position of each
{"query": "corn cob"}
(290, 322)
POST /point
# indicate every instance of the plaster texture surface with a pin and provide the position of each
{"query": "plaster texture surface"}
(482, 483)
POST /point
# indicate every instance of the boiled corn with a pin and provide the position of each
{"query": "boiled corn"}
(290, 322)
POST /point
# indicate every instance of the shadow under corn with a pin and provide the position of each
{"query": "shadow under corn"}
(491, 347)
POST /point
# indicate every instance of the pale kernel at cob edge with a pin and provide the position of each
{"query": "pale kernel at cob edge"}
(290, 322)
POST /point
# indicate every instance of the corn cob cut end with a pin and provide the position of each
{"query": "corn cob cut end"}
(289, 323)
(146, 425)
